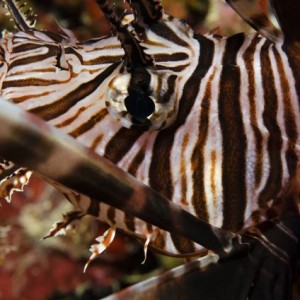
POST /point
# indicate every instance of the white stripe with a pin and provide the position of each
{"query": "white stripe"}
(214, 144)
(251, 203)
(280, 116)
(259, 107)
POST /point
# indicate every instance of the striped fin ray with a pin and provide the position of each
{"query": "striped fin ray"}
(25, 21)
(148, 234)
(252, 13)
(103, 243)
(68, 222)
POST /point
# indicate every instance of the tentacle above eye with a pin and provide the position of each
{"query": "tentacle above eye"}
(25, 21)
(146, 12)
(134, 52)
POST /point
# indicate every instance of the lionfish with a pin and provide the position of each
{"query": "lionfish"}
(212, 123)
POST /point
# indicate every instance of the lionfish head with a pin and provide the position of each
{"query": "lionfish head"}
(135, 98)
(135, 95)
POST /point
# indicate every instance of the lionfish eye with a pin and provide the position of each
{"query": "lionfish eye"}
(139, 105)
(146, 103)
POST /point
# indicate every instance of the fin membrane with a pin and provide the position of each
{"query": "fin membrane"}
(103, 242)
(12, 178)
(251, 12)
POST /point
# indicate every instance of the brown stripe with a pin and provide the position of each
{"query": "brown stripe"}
(111, 213)
(96, 141)
(121, 143)
(73, 118)
(52, 35)
(28, 47)
(2, 54)
(102, 60)
(94, 42)
(249, 62)
(234, 138)
(27, 97)
(174, 69)
(31, 82)
(159, 171)
(138, 159)
(129, 222)
(182, 244)
(289, 117)
(161, 29)
(94, 208)
(170, 90)
(199, 197)
(95, 119)
(33, 59)
(170, 57)
(213, 160)
(274, 146)
(59, 107)
(160, 163)
(183, 178)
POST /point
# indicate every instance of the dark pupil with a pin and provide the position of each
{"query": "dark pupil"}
(139, 105)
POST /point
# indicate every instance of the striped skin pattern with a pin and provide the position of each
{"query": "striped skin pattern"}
(223, 141)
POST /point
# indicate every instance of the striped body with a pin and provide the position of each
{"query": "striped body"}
(233, 144)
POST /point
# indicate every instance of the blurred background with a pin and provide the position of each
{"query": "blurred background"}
(85, 19)
(36, 269)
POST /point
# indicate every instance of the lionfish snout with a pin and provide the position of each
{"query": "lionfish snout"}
(139, 98)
